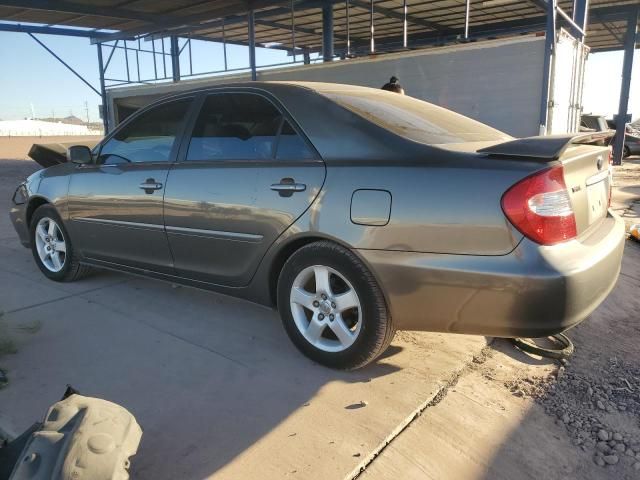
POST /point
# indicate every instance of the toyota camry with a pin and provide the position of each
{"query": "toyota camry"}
(355, 212)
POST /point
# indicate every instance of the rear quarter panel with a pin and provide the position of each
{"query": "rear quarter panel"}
(454, 210)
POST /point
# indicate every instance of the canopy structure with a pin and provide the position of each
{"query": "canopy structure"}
(332, 28)
(299, 23)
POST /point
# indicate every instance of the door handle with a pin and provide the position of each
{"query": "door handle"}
(288, 187)
(150, 185)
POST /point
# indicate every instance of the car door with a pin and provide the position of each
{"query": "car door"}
(115, 204)
(244, 176)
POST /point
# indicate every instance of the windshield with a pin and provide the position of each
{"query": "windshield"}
(414, 119)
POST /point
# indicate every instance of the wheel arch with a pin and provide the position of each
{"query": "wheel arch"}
(293, 244)
(34, 203)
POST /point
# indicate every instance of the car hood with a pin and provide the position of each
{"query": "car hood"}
(49, 154)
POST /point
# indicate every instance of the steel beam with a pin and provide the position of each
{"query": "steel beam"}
(103, 91)
(252, 44)
(63, 6)
(182, 25)
(47, 30)
(175, 59)
(630, 39)
(580, 14)
(549, 54)
(63, 63)
(327, 33)
(390, 13)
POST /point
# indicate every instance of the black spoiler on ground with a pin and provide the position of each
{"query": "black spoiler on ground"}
(549, 147)
(49, 154)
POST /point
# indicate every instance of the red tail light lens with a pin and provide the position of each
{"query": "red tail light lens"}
(539, 206)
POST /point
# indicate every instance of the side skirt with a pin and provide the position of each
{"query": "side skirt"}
(244, 293)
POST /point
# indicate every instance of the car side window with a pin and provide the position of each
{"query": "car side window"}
(292, 146)
(235, 126)
(148, 138)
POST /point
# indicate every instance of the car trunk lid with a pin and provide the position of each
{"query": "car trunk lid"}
(588, 180)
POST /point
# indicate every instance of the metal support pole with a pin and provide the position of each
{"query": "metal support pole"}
(103, 92)
(346, 6)
(549, 53)
(155, 65)
(372, 46)
(404, 24)
(164, 59)
(293, 32)
(466, 19)
(327, 32)
(631, 37)
(251, 18)
(224, 46)
(580, 9)
(126, 60)
(175, 58)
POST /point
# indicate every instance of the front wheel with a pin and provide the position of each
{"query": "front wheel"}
(51, 247)
(332, 307)
(626, 152)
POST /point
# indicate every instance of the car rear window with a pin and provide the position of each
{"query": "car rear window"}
(414, 119)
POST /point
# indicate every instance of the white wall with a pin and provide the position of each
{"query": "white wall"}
(498, 82)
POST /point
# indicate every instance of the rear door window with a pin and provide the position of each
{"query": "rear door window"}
(235, 126)
(291, 146)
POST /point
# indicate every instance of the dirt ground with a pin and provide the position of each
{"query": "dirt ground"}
(506, 414)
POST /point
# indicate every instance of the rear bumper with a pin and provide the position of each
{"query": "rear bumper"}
(18, 216)
(533, 291)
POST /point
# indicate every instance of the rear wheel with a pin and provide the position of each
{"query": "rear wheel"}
(51, 247)
(626, 152)
(332, 307)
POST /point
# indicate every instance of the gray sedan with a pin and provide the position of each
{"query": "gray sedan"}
(354, 211)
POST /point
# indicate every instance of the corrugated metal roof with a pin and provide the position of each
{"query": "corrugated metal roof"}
(429, 22)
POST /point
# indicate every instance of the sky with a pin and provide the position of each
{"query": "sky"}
(39, 81)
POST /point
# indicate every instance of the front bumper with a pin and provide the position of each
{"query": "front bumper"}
(18, 215)
(533, 291)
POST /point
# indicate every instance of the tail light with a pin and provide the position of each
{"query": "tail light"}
(539, 206)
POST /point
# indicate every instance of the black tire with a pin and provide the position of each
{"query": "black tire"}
(626, 152)
(376, 331)
(72, 269)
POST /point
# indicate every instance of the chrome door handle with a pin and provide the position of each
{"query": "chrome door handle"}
(289, 187)
(150, 185)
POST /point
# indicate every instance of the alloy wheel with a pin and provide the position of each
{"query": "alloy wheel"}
(326, 308)
(50, 244)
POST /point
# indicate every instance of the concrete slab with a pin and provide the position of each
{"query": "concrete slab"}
(215, 383)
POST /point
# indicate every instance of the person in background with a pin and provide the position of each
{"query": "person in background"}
(393, 86)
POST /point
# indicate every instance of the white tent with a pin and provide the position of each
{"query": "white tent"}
(39, 128)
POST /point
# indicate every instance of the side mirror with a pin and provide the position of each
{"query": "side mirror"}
(79, 154)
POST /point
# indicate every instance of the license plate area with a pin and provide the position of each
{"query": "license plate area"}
(598, 196)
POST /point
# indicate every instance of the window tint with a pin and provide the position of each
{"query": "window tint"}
(414, 119)
(148, 138)
(233, 126)
(291, 146)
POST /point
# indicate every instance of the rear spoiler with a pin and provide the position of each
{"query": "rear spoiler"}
(549, 147)
(49, 154)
